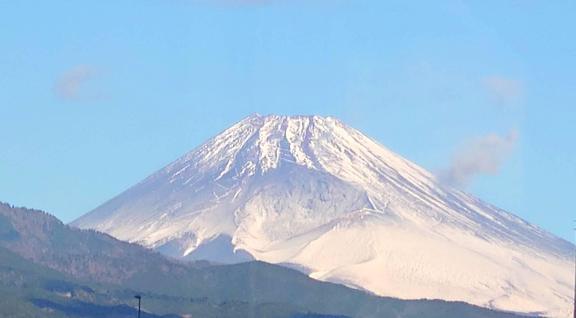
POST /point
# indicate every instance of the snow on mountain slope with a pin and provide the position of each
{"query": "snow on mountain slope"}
(311, 192)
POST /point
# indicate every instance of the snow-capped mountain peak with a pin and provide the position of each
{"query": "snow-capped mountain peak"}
(315, 193)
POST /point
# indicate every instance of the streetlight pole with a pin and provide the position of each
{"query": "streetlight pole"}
(140, 300)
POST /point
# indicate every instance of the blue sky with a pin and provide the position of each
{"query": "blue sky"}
(95, 96)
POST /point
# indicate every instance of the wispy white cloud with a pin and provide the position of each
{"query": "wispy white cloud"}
(504, 90)
(71, 85)
(480, 156)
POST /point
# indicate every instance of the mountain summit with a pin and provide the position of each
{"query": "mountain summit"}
(313, 193)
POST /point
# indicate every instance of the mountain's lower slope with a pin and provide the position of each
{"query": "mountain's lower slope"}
(313, 193)
(48, 269)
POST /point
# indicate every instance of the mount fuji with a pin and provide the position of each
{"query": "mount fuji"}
(315, 194)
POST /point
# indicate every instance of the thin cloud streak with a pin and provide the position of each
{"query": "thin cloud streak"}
(71, 84)
(504, 90)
